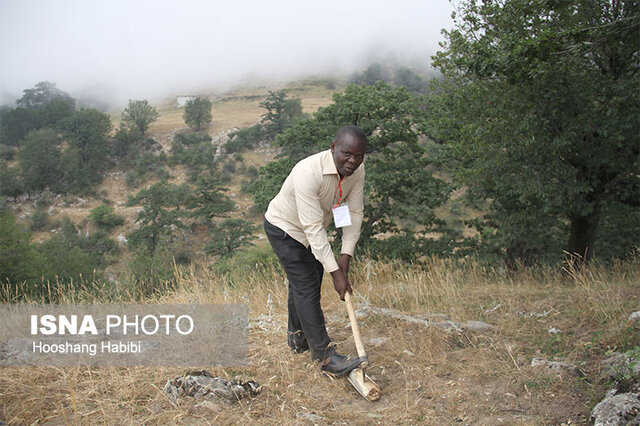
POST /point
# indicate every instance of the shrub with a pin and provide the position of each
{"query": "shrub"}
(104, 216)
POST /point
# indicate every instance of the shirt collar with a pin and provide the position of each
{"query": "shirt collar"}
(328, 166)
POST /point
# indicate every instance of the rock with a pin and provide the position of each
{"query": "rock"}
(635, 316)
(122, 241)
(378, 341)
(440, 321)
(478, 326)
(613, 410)
(310, 417)
(201, 384)
(619, 365)
(553, 330)
(50, 211)
(557, 367)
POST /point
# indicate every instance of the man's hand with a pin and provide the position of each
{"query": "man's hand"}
(340, 283)
(343, 263)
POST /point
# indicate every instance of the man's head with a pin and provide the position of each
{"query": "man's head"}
(348, 149)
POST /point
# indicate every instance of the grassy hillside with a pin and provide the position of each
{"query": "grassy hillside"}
(427, 375)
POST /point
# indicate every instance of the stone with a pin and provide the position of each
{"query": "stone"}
(635, 316)
(440, 321)
(378, 341)
(618, 365)
(621, 409)
(478, 326)
(122, 241)
(558, 367)
(310, 417)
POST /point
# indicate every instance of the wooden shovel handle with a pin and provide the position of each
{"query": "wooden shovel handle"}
(354, 326)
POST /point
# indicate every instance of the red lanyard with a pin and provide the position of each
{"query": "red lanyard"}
(339, 192)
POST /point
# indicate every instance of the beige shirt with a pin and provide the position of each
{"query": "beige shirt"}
(303, 207)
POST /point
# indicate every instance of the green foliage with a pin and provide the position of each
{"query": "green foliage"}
(39, 160)
(408, 78)
(43, 93)
(68, 256)
(270, 179)
(257, 257)
(161, 213)
(39, 219)
(208, 200)
(539, 114)
(281, 112)
(65, 258)
(84, 158)
(197, 113)
(244, 139)
(195, 151)
(374, 73)
(15, 123)
(149, 164)
(104, 216)
(280, 115)
(153, 273)
(138, 115)
(10, 184)
(401, 192)
(229, 236)
(18, 257)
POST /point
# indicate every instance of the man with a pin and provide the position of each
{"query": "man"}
(325, 186)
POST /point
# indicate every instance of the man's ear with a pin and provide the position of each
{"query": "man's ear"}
(333, 147)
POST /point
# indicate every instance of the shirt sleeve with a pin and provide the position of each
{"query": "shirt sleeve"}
(310, 215)
(355, 201)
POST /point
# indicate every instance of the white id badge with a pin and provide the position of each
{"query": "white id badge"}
(341, 216)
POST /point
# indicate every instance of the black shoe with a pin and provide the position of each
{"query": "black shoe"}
(341, 366)
(297, 342)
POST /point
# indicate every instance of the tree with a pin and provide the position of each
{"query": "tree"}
(42, 94)
(10, 184)
(17, 255)
(15, 123)
(161, 211)
(280, 112)
(39, 160)
(539, 113)
(374, 73)
(104, 216)
(209, 201)
(84, 159)
(400, 190)
(197, 113)
(229, 236)
(138, 115)
(411, 80)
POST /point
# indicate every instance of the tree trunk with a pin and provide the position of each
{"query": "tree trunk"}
(582, 235)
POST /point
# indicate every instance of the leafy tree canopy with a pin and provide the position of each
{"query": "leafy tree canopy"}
(42, 94)
(197, 113)
(138, 115)
(539, 113)
(400, 192)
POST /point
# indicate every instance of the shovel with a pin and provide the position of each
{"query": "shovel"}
(358, 377)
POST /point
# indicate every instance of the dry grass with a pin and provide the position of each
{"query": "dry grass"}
(426, 374)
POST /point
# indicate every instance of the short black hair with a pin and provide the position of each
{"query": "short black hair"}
(352, 130)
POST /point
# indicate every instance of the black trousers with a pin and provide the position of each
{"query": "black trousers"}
(306, 320)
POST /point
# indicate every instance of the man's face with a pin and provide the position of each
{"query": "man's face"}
(348, 153)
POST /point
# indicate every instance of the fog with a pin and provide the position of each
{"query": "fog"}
(118, 50)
